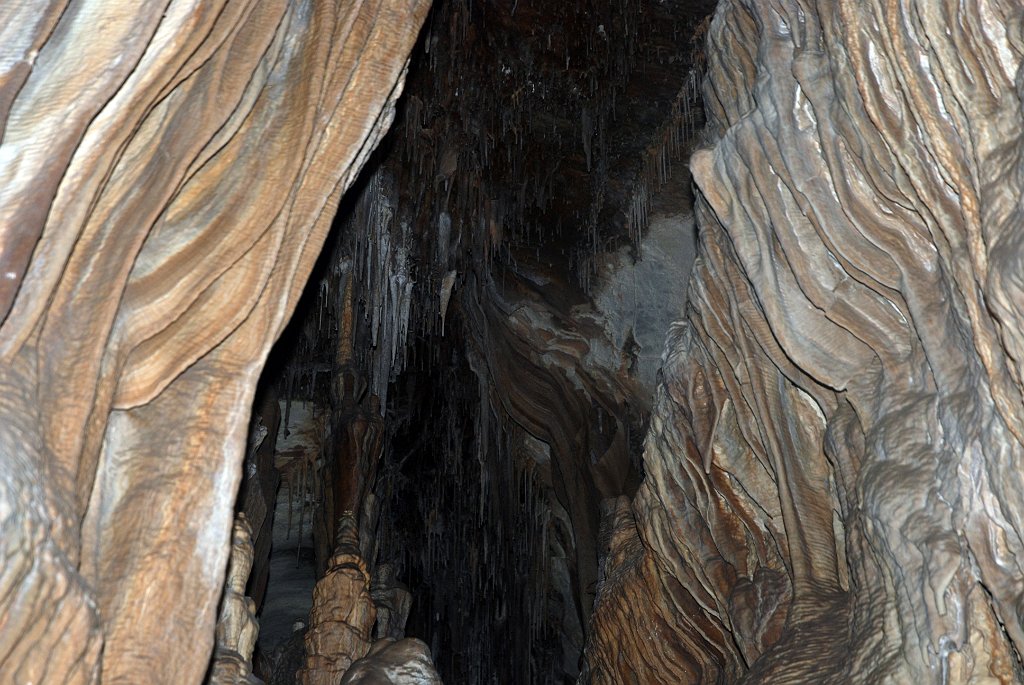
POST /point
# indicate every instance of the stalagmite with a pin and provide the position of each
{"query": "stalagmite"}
(237, 626)
(341, 620)
(393, 601)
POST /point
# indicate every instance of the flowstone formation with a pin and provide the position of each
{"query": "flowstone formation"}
(819, 481)
(834, 461)
(168, 173)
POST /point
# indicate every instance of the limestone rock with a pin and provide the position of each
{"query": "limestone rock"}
(393, 601)
(341, 620)
(237, 626)
(390, 662)
(168, 173)
(834, 466)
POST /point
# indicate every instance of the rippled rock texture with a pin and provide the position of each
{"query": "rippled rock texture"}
(168, 173)
(835, 464)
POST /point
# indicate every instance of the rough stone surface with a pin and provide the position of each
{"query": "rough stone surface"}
(637, 300)
(237, 626)
(393, 601)
(390, 662)
(343, 614)
(834, 462)
(830, 483)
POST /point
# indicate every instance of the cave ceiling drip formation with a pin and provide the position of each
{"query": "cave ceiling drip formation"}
(547, 450)
(493, 361)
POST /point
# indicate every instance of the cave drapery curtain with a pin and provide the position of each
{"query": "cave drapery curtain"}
(168, 172)
(835, 461)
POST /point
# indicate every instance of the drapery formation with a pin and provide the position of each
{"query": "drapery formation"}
(168, 172)
(835, 464)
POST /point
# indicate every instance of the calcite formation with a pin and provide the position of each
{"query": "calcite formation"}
(343, 614)
(825, 485)
(459, 290)
(237, 626)
(391, 662)
(834, 463)
(168, 173)
(393, 601)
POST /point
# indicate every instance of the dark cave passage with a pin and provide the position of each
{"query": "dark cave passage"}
(479, 344)
(601, 342)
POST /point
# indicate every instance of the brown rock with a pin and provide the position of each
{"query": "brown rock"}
(237, 626)
(834, 465)
(170, 170)
(341, 620)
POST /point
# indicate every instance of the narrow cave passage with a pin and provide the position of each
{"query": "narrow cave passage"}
(471, 369)
(515, 431)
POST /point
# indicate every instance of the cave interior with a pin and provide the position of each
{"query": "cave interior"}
(390, 342)
(472, 365)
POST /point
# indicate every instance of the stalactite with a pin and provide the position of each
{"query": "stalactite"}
(425, 225)
(681, 125)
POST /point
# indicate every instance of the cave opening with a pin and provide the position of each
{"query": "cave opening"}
(471, 368)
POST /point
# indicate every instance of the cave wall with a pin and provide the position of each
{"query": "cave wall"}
(169, 171)
(833, 458)
(834, 463)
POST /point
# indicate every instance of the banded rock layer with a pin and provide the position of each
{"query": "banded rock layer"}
(164, 191)
(834, 466)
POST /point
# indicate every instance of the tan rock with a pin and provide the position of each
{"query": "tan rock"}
(833, 476)
(341, 620)
(237, 627)
(168, 173)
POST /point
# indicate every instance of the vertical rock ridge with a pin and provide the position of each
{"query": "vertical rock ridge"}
(834, 457)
